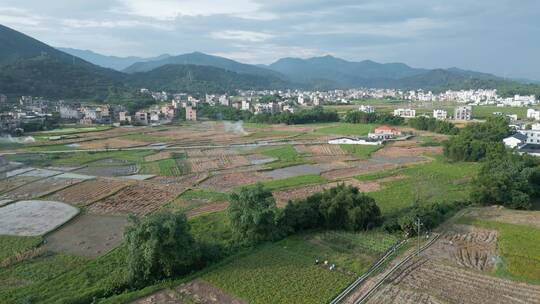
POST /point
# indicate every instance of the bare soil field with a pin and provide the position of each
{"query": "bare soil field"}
(140, 199)
(85, 193)
(293, 171)
(499, 214)
(114, 168)
(428, 279)
(15, 182)
(87, 235)
(193, 292)
(113, 143)
(200, 164)
(228, 181)
(41, 187)
(32, 218)
(406, 148)
(180, 183)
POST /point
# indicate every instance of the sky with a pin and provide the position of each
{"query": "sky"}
(494, 36)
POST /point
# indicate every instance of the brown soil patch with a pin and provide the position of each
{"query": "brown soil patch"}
(114, 143)
(457, 285)
(196, 291)
(226, 182)
(468, 247)
(179, 183)
(140, 199)
(217, 163)
(158, 156)
(40, 188)
(396, 150)
(88, 235)
(16, 181)
(89, 191)
(500, 214)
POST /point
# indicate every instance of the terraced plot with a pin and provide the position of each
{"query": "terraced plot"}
(229, 181)
(140, 199)
(85, 193)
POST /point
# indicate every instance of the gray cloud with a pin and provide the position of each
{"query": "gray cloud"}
(497, 36)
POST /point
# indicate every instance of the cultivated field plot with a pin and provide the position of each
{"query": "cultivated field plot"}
(193, 292)
(293, 171)
(89, 191)
(499, 214)
(42, 187)
(32, 218)
(88, 235)
(113, 143)
(229, 181)
(109, 167)
(11, 173)
(199, 164)
(210, 152)
(319, 150)
(425, 281)
(158, 156)
(140, 199)
(179, 184)
(15, 182)
(360, 168)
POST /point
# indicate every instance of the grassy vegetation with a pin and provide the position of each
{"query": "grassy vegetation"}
(196, 198)
(436, 181)
(57, 280)
(361, 151)
(296, 181)
(347, 129)
(482, 112)
(165, 167)
(13, 245)
(428, 141)
(78, 158)
(519, 249)
(285, 156)
(71, 130)
(212, 228)
(275, 274)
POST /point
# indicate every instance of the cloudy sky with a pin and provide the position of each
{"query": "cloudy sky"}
(496, 36)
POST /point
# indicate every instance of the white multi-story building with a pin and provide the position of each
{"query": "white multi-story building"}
(405, 113)
(533, 114)
(367, 108)
(463, 113)
(440, 114)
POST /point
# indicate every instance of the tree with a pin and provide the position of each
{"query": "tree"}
(253, 213)
(507, 179)
(345, 207)
(159, 246)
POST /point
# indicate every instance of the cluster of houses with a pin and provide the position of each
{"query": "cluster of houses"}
(461, 113)
(377, 137)
(525, 140)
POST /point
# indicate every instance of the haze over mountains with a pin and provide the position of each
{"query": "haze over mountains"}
(30, 67)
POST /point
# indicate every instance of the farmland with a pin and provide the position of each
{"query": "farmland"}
(193, 168)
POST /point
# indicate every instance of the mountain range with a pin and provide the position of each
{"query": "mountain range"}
(31, 67)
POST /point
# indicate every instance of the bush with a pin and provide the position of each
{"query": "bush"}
(360, 117)
(433, 125)
(314, 115)
(507, 179)
(159, 246)
(252, 213)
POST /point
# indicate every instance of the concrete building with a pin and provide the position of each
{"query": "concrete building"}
(367, 109)
(533, 114)
(463, 113)
(191, 113)
(405, 113)
(440, 114)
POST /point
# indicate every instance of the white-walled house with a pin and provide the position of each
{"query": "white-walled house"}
(354, 141)
(405, 113)
(515, 141)
(440, 114)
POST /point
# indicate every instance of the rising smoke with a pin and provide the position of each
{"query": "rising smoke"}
(17, 140)
(235, 127)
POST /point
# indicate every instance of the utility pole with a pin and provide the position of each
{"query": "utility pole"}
(418, 224)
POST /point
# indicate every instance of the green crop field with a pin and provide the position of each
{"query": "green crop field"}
(275, 274)
(482, 112)
(196, 198)
(165, 167)
(74, 130)
(429, 182)
(519, 249)
(361, 151)
(13, 245)
(347, 129)
(285, 156)
(296, 181)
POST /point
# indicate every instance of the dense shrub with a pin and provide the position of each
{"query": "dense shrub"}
(159, 246)
(507, 179)
(433, 125)
(305, 116)
(473, 142)
(373, 118)
(252, 213)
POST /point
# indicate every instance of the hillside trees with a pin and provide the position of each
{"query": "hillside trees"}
(433, 125)
(360, 117)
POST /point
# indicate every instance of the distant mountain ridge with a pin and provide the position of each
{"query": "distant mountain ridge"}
(112, 62)
(198, 58)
